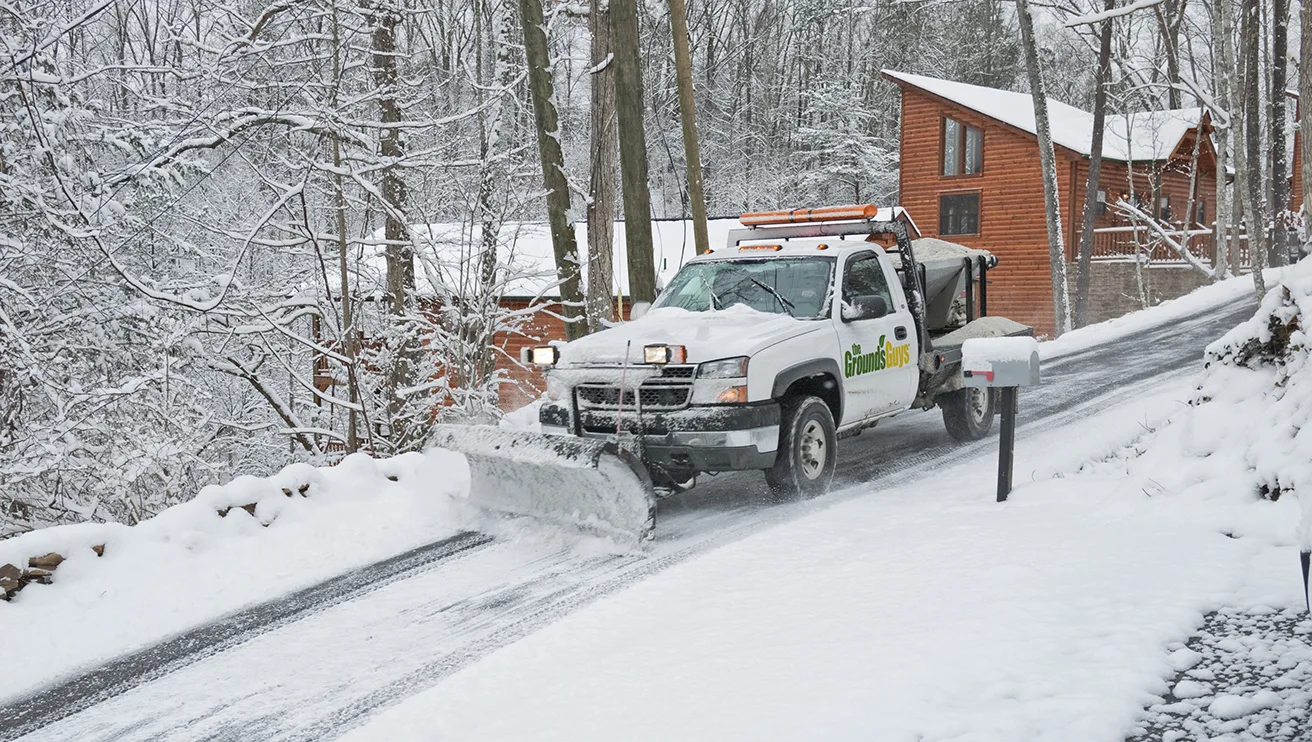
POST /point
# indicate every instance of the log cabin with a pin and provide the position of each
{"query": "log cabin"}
(969, 173)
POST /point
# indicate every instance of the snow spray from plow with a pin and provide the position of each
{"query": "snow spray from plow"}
(579, 483)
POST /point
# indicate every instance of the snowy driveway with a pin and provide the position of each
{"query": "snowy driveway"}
(333, 665)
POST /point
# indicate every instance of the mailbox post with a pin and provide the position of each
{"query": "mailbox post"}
(1006, 364)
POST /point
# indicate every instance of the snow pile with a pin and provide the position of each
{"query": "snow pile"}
(1246, 435)
(231, 546)
(981, 353)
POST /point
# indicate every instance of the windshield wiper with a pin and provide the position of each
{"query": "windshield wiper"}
(787, 305)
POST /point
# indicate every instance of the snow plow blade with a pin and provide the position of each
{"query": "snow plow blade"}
(589, 485)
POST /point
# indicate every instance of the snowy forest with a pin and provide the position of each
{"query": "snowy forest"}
(219, 220)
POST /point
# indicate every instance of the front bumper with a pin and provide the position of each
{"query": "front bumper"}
(702, 438)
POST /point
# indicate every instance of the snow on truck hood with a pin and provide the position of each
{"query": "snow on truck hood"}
(736, 331)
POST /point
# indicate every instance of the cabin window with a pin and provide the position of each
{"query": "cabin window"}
(1102, 203)
(1200, 213)
(958, 213)
(963, 149)
(974, 150)
(1164, 208)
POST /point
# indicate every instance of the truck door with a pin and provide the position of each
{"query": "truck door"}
(876, 337)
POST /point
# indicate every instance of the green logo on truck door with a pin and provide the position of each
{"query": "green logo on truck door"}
(887, 355)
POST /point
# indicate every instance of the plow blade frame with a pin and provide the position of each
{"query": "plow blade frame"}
(580, 483)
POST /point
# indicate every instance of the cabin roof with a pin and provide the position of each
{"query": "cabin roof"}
(1132, 137)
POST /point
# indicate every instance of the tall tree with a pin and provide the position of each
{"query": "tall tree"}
(1249, 166)
(563, 243)
(688, 115)
(601, 186)
(1305, 117)
(1222, 74)
(1047, 161)
(1276, 119)
(1101, 80)
(1170, 16)
(633, 150)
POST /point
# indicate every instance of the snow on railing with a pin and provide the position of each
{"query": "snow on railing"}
(1125, 242)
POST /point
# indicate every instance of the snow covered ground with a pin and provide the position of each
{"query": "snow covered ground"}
(916, 608)
(189, 565)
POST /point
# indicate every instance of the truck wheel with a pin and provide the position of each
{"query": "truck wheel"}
(967, 413)
(804, 466)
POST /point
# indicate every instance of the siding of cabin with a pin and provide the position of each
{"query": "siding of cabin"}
(1011, 220)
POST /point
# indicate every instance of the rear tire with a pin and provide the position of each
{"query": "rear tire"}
(808, 450)
(968, 413)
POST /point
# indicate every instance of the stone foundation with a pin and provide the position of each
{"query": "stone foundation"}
(1113, 290)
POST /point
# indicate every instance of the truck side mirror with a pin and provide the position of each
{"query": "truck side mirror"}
(865, 307)
(638, 309)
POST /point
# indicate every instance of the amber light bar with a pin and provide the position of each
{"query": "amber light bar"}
(805, 216)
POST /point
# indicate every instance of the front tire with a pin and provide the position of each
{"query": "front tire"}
(967, 413)
(808, 450)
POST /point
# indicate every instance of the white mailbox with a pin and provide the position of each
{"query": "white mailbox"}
(1000, 362)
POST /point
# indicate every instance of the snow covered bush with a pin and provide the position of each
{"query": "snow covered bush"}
(1258, 381)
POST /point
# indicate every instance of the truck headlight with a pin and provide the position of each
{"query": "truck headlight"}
(556, 389)
(542, 355)
(719, 391)
(728, 368)
(661, 354)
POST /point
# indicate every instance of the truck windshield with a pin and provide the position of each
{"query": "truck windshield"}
(795, 286)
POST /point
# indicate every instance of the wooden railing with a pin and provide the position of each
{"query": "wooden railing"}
(1125, 243)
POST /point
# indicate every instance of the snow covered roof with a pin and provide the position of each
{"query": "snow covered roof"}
(1127, 137)
(447, 256)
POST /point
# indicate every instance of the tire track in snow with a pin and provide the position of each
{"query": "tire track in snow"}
(106, 681)
(731, 507)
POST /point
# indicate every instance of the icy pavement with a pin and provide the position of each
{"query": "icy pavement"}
(1244, 677)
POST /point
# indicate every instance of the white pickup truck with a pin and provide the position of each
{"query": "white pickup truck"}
(760, 355)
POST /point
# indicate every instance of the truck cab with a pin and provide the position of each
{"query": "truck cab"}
(760, 355)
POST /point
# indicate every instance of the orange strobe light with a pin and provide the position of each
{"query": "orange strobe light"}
(803, 216)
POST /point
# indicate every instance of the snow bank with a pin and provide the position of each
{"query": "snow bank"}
(189, 564)
(1193, 304)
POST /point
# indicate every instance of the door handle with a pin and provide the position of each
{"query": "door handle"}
(900, 333)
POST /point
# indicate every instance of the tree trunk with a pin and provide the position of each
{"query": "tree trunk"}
(1279, 169)
(553, 166)
(1047, 160)
(1305, 116)
(1095, 167)
(601, 205)
(1251, 176)
(688, 115)
(343, 249)
(1170, 16)
(399, 252)
(633, 150)
(1222, 71)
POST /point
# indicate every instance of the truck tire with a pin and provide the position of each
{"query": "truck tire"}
(808, 450)
(967, 413)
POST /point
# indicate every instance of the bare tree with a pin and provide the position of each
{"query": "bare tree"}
(1095, 167)
(1047, 160)
(601, 187)
(1248, 167)
(633, 150)
(1305, 117)
(688, 115)
(1276, 120)
(553, 165)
